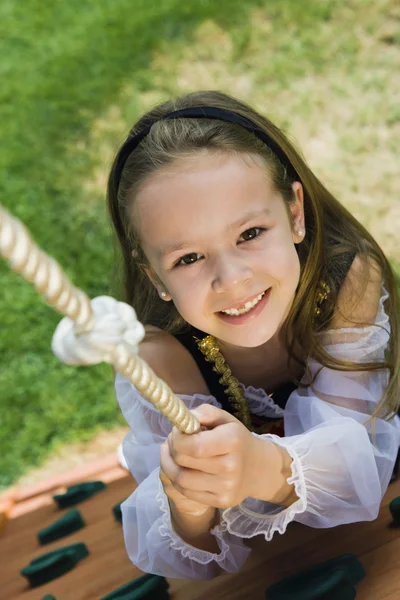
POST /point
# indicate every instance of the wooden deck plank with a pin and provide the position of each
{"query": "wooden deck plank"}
(23, 530)
(377, 544)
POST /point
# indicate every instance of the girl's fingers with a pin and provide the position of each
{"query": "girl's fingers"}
(165, 480)
(207, 498)
(219, 465)
(196, 481)
(182, 503)
(167, 464)
(210, 416)
(186, 479)
(206, 444)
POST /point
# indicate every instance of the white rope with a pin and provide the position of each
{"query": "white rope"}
(93, 331)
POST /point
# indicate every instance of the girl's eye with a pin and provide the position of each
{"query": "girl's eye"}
(189, 259)
(251, 234)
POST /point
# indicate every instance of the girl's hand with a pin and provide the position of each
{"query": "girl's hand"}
(180, 502)
(191, 520)
(218, 467)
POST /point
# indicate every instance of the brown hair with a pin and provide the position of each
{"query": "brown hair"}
(332, 233)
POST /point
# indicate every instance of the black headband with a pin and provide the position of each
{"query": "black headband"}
(203, 112)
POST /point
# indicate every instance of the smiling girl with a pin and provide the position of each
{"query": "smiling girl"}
(273, 314)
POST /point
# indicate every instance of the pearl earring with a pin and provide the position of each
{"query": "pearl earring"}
(299, 232)
(163, 294)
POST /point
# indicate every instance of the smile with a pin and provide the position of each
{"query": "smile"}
(247, 307)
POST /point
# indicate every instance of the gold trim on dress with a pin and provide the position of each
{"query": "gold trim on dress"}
(209, 347)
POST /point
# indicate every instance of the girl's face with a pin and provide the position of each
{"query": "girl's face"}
(220, 242)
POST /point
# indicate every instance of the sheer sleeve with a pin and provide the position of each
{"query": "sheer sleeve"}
(150, 540)
(341, 465)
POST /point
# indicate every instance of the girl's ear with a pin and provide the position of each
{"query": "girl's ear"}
(162, 292)
(153, 278)
(297, 210)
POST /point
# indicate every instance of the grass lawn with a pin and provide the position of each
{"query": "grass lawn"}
(76, 75)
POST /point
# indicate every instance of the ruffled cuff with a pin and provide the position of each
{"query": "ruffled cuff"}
(233, 553)
(257, 517)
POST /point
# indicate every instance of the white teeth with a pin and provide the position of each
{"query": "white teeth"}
(246, 308)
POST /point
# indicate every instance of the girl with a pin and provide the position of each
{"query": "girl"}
(273, 314)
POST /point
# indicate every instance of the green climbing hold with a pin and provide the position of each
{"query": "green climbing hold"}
(79, 492)
(332, 579)
(117, 512)
(146, 587)
(69, 523)
(394, 508)
(51, 565)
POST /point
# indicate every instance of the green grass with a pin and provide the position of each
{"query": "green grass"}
(63, 64)
(74, 77)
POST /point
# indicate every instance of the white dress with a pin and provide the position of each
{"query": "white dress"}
(340, 468)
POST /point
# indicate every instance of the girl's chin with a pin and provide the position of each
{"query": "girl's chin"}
(248, 339)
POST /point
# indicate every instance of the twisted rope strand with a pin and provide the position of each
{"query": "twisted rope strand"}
(35, 266)
(46, 275)
(154, 388)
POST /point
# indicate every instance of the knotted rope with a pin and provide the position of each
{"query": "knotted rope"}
(92, 331)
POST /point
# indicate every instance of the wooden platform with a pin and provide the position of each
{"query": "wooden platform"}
(377, 545)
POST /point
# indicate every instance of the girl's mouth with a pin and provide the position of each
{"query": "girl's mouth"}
(251, 309)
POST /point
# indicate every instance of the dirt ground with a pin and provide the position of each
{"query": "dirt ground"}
(72, 455)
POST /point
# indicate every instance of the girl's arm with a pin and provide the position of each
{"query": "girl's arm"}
(195, 529)
(158, 538)
(191, 520)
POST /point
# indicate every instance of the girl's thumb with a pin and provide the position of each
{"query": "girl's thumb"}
(211, 416)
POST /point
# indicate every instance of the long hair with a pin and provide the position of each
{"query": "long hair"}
(332, 233)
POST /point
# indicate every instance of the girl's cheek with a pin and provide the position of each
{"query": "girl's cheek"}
(189, 303)
(189, 283)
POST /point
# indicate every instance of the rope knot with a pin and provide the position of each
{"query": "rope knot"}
(114, 323)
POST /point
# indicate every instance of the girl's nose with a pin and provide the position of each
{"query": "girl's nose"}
(230, 272)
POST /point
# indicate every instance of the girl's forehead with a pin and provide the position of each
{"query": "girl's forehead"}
(200, 196)
(196, 186)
